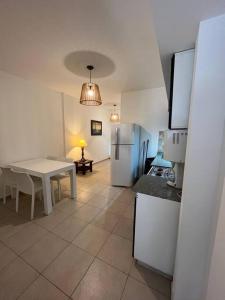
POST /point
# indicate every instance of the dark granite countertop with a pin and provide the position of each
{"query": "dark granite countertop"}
(157, 187)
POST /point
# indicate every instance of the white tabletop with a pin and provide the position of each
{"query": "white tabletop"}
(41, 165)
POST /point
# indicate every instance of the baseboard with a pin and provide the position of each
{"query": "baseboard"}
(100, 161)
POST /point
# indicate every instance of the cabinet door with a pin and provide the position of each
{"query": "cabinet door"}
(181, 89)
(156, 226)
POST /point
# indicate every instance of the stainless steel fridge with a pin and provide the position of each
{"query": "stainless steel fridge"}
(125, 144)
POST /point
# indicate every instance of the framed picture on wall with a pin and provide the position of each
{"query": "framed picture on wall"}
(96, 127)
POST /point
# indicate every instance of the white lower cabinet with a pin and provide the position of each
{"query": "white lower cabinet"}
(156, 227)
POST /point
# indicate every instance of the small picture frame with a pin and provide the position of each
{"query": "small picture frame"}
(96, 127)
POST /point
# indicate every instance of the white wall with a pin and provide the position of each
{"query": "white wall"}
(31, 123)
(149, 109)
(77, 119)
(199, 197)
(30, 120)
(215, 286)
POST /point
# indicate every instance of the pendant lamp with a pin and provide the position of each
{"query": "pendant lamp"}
(114, 115)
(90, 94)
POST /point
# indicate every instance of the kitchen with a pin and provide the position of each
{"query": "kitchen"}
(159, 192)
(47, 114)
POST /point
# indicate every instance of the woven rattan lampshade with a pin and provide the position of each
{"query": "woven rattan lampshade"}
(90, 94)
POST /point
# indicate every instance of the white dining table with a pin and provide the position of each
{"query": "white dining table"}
(45, 169)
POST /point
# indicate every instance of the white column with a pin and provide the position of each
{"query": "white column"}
(199, 198)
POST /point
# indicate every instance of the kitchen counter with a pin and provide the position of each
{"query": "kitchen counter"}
(156, 223)
(156, 186)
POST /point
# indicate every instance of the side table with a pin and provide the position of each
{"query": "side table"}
(83, 166)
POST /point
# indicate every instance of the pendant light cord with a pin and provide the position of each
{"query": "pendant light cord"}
(90, 76)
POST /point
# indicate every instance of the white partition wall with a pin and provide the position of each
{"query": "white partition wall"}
(215, 287)
(30, 120)
(205, 139)
(77, 124)
(149, 109)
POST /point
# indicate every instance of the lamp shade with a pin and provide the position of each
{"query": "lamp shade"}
(114, 117)
(82, 143)
(90, 94)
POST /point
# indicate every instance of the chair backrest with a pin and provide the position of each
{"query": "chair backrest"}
(52, 157)
(24, 182)
(64, 159)
(8, 176)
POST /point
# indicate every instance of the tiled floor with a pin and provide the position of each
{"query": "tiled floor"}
(81, 251)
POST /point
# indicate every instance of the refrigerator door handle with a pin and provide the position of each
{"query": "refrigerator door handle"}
(117, 152)
(117, 135)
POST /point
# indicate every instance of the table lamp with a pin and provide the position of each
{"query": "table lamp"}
(82, 144)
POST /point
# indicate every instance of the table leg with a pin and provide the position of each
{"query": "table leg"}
(76, 164)
(83, 169)
(47, 194)
(91, 166)
(73, 184)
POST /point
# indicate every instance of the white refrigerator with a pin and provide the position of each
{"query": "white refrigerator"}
(125, 144)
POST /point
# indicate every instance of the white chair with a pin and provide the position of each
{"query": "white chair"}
(57, 178)
(25, 184)
(9, 180)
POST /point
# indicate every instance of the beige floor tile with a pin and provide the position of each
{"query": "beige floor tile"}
(97, 188)
(25, 238)
(69, 228)
(111, 192)
(66, 266)
(129, 212)
(6, 255)
(11, 225)
(15, 278)
(82, 188)
(42, 289)
(91, 239)
(99, 201)
(117, 207)
(106, 220)
(42, 253)
(124, 228)
(135, 290)
(68, 269)
(117, 252)
(126, 197)
(100, 283)
(52, 220)
(87, 212)
(68, 206)
(84, 196)
(151, 278)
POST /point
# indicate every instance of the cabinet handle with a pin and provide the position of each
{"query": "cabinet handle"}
(178, 138)
(174, 137)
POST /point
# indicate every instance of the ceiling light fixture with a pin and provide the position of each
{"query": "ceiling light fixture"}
(114, 115)
(90, 94)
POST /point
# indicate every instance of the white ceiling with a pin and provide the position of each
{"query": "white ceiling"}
(176, 24)
(37, 36)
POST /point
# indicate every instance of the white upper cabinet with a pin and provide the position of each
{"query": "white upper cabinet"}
(180, 93)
